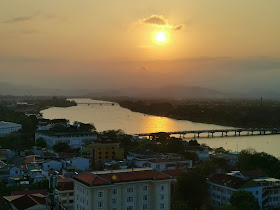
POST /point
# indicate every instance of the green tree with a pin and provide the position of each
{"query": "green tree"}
(40, 142)
(61, 147)
(244, 200)
(192, 188)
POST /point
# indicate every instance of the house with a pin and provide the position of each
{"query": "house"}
(64, 192)
(7, 128)
(15, 172)
(37, 175)
(52, 164)
(202, 152)
(169, 164)
(146, 158)
(33, 159)
(129, 189)
(230, 157)
(28, 202)
(80, 163)
(63, 134)
(30, 192)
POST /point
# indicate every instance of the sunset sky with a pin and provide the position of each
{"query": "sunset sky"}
(112, 43)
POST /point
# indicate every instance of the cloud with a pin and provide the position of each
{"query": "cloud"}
(19, 19)
(159, 20)
(155, 20)
(178, 27)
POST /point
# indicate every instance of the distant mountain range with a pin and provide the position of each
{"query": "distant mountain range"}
(176, 92)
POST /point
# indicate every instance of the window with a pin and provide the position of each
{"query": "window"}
(161, 197)
(145, 188)
(100, 194)
(99, 204)
(145, 197)
(129, 189)
(114, 201)
(161, 206)
(257, 192)
(162, 187)
(129, 208)
(114, 191)
(129, 199)
(145, 206)
(100, 153)
(99, 157)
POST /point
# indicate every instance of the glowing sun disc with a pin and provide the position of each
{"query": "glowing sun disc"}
(160, 37)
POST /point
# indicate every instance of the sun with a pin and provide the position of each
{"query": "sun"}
(160, 37)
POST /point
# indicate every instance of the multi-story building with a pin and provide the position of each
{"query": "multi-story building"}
(128, 189)
(64, 193)
(100, 152)
(271, 192)
(75, 138)
(265, 189)
(7, 128)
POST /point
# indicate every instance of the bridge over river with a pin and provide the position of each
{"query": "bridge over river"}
(220, 132)
(97, 103)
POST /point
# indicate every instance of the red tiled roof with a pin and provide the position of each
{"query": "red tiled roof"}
(63, 186)
(253, 173)
(175, 172)
(227, 180)
(28, 201)
(29, 192)
(103, 179)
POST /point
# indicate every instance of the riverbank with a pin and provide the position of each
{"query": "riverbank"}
(243, 114)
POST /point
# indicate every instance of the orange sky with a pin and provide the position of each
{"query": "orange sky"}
(112, 43)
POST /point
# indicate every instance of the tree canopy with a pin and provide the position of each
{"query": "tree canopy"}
(244, 200)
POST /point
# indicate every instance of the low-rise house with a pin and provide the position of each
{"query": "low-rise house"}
(230, 157)
(28, 202)
(16, 172)
(30, 192)
(37, 175)
(202, 152)
(33, 159)
(64, 193)
(129, 189)
(52, 164)
(80, 163)
(141, 153)
(170, 164)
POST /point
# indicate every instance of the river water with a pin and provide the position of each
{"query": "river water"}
(108, 117)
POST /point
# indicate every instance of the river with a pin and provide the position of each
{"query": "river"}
(108, 117)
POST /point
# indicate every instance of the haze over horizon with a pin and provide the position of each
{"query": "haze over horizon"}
(227, 46)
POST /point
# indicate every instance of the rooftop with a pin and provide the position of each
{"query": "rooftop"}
(228, 180)
(117, 176)
(64, 131)
(8, 124)
(26, 201)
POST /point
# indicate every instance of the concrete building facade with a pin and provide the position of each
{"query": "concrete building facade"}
(123, 190)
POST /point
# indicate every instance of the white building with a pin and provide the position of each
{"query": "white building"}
(222, 186)
(75, 139)
(8, 128)
(123, 190)
(80, 163)
(52, 164)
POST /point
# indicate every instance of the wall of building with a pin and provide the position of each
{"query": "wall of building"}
(151, 194)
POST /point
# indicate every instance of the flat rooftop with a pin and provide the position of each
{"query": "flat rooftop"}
(122, 170)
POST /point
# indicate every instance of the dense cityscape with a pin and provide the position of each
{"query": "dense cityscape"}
(55, 164)
(139, 105)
